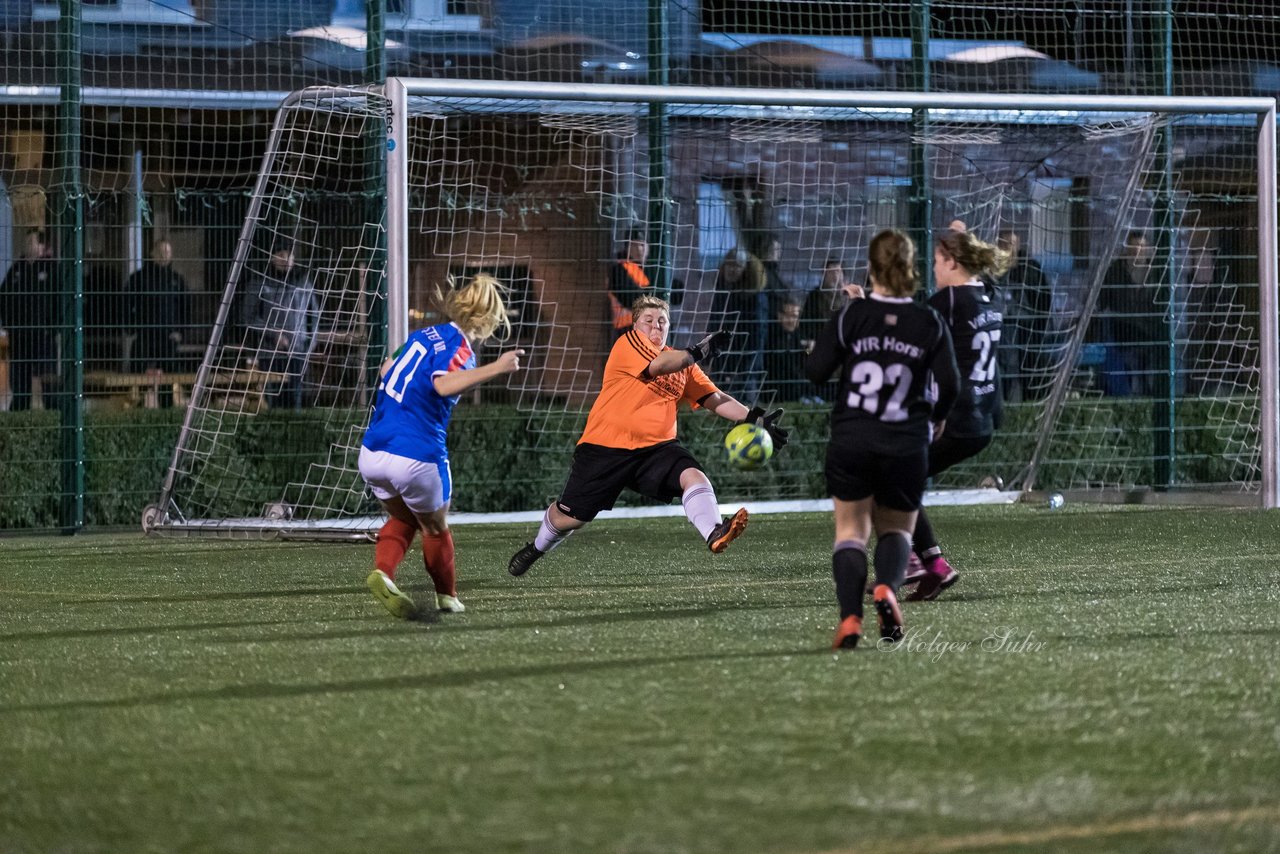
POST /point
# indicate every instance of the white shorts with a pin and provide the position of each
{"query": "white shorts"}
(424, 487)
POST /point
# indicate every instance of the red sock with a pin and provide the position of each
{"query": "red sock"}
(437, 555)
(393, 542)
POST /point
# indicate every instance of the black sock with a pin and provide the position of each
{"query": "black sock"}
(923, 540)
(891, 558)
(849, 567)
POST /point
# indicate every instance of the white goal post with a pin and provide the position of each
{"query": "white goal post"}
(471, 164)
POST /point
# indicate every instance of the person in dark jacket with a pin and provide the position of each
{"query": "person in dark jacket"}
(28, 310)
(156, 301)
(280, 318)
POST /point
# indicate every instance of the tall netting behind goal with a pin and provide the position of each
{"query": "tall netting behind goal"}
(1131, 356)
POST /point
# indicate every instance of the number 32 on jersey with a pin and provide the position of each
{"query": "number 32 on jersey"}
(880, 391)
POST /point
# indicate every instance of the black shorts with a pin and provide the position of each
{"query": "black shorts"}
(599, 474)
(947, 450)
(897, 482)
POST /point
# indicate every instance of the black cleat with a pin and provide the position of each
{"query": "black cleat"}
(727, 531)
(523, 559)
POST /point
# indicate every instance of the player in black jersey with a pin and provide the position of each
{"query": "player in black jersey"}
(968, 306)
(886, 348)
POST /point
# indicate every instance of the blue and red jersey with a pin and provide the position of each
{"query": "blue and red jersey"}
(410, 419)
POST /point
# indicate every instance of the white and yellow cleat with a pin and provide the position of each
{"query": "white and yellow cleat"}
(391, 597)
(449, 603)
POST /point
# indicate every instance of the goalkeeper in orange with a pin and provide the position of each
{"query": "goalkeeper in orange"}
(630, 438)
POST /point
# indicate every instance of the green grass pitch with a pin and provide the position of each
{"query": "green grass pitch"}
(634, 693)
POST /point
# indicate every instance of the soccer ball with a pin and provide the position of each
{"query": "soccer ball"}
(748, 446)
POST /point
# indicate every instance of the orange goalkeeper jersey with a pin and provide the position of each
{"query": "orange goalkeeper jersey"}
(632, 412)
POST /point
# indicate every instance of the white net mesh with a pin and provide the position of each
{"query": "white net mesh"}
(1108, 387)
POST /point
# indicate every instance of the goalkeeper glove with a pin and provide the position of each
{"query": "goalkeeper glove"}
(710, 346)
(756, 415)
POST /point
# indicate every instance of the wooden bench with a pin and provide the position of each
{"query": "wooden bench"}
(243, 384)
(132, 391)
(119, 389)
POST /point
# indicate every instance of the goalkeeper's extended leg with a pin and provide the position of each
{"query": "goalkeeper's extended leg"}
(551, 533)
(703, 512)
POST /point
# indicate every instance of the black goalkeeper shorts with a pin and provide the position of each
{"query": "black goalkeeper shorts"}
(599, 474)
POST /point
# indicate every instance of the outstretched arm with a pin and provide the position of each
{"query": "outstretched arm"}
(671, 361)
(724, 405)
(728, 408)
(456, 382)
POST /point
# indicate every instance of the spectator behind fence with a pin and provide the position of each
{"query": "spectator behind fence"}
(157, 310)
(1130, 321)
(627, 281)
(280, 320)
(28, 300)
(833, 292)
(740, 307)
(776, 289)
(1025, 350)
(785, 355)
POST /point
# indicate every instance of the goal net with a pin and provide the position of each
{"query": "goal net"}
(1134, 355)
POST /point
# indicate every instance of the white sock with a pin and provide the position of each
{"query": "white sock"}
(549, 536)
(701, 508)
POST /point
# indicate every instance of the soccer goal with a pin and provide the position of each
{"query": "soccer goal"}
(1161, 382)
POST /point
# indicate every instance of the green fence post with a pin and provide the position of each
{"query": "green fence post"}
(921, 204)
(69, 202)
(659, 207)
(1165, 369)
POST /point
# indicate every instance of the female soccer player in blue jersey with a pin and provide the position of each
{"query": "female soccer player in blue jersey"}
(967, 305)
(887, 349)
(404, 458)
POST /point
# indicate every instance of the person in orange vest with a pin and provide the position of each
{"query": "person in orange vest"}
(627, 281)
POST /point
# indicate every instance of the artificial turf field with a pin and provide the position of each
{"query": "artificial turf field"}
(634, 693)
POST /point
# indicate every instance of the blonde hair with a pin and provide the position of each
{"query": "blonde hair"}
(976, 256)
(646, 301)
(477, 307)
(892, 259)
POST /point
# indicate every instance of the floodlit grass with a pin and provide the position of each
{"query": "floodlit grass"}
(634, 693)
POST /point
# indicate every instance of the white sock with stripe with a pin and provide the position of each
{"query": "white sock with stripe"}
(701, 508)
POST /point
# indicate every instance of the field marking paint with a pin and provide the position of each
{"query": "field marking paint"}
(1062, 833)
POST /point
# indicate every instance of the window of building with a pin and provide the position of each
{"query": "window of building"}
(717, 222)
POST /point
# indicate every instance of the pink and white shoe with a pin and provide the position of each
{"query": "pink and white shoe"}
(938, 576)
(915, 570)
